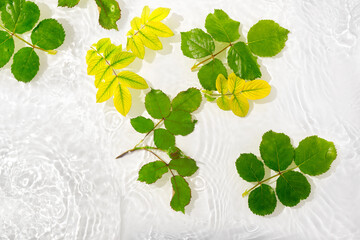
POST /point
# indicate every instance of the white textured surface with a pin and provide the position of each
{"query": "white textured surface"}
(58, 176)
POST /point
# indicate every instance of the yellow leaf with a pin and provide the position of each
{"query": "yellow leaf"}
(221, 84)
(145, 14)
(122, 99)
(159, 29)
(149, 39)
(102, 44)
(95, 64)
(121, 59)
(239, 105)
(223, 102)
(136, 24)
(159, 14)
(106, 89)
(103, 73)
(89, 55)
(130, 79)
(110, 50)
(256, 89)
(136, 46)
(235, 83)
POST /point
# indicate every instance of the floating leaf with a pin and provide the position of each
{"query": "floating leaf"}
(153, 171)
(145, 31)
(48, 34)
(267, 38)
(262, 200)
(182, 194)
(221, 27)
(208, 73)
(276, 151)
(157, 104)
(175, 153)
(142, 125)
(250, 168)
(110, 13)
(25, 65)
(163, 139)
(314, 155)
(68, 3)
(243, 62)
(19, 16)
(188, 100)
(197, 44)
(291, 187)
(179, 123)
(184, 166)
(7, 47)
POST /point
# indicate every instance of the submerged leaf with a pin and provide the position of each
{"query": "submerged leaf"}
(110, 13)
(221, 27)
(182, 194)
(153, 171)
(314, 155)
(267, 38)
(291, 187)
(48, 34)
(184, 166)
(25, 65)
(197, 44)
(7, 47)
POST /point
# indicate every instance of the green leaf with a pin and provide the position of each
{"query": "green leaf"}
(157, 104)
(19, 16)
(182, 194)
(163, 139)
(262, 200)
(243, 62)
(175, 153)
(314, 155)
(153, 171)
(267, 38)
(187, 101)
(184, 166)
(6, 48)
(221, 27)
(25, 64)
(208, 73)
(142, 125)
(179, 123)
(250, 168)
(291, 187)
(276, 151)
(197, 44)
(48, 34)
(110, 13)
(68, 3)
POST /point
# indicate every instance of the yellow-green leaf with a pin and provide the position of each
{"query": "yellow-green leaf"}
(224, 103)
(235, 84)
(136, 23)
(95, 64)
(239, 105)
(102, 44)
(145, 14)
(121, 59)
(122, 99)
(130, 79)
(221, 84)
(159, 14)
(159, 29)
(103, 73)
(256, 89)
(106, 89)
(149, 39)
(136, 46)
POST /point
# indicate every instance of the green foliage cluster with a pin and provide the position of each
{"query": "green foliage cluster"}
(313, 156)
(265, 39)
(18, 17)
(177, 118)
(109, 11)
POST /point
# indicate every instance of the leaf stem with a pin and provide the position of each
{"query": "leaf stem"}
(142, 140)
(52, 52)
(211, 57)
(265, 180)
(138, 148)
